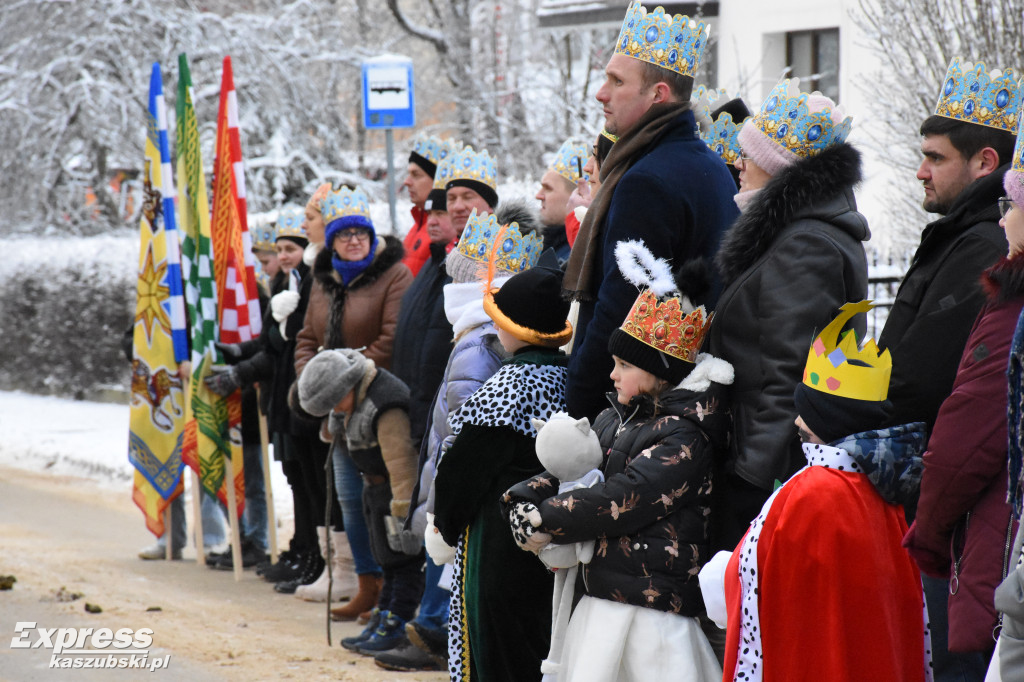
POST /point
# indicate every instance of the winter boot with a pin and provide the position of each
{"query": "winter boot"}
(351, 643)
(312, 567)
(341, 570)
(390, 633)
(288, 567)
(366, 598)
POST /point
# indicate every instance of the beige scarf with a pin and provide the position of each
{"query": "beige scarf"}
(578, 283)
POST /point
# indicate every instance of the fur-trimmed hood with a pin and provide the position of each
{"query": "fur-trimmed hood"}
(389, 252)
(819, 188)
(1004, 281)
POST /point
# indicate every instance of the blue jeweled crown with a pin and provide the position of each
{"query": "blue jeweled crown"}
(972, 94)
(515, 253)
(434, 149)
(444, 172)
(721, 135)
(569, 160)
(263, 237)
(467, 164)
(675, 43)
(289, 222)
(345, 203)
(786, 120)
(1018, 156)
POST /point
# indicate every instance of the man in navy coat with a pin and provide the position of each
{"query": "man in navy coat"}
(661, 185)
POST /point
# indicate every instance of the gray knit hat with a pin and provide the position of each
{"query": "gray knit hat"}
(328, 378)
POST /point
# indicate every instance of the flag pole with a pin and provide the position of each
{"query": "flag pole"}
(168, 552)
(236, 542)
(271, 514)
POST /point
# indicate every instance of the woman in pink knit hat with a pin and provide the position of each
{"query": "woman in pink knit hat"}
(789, 261)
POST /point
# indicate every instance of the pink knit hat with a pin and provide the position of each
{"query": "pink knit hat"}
(769, 154)
(1013, 183)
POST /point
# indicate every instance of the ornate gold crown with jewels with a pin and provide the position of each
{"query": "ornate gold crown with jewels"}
(675, 43)
(972, 94)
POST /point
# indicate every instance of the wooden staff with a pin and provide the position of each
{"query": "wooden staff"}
(168, 551)
(236, 540)
(268, 489)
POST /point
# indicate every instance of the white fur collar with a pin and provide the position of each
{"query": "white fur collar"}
(708, 369)
(309, 254)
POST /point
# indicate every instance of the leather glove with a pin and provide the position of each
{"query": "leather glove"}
(232, 351)
(284, 304)
(222, 380)
(439, 551)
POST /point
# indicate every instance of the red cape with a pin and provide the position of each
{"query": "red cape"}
(839, 598)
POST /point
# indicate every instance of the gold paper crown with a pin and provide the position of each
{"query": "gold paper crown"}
(973, 94)
(664, 326)
(839, 367)
(512, 253)
(675, 43)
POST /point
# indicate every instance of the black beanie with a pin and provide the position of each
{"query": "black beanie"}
(529, 306)
(428, 166)
(650, 359)
(437, 200)
(484, 190)
(832, 417)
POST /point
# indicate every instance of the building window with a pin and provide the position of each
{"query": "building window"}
(813, 57)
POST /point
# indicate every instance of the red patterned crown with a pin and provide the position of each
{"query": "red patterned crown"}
(661, 317)
(664, 326)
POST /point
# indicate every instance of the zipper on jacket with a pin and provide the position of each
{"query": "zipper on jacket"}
(954, 580)
(1006, 570)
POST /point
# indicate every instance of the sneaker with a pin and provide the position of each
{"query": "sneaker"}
(433, 641)
(389, 634)
(287, 568)
(311, 570)
(407, 657)
(352, 643)
(158, 550)
(284, 558)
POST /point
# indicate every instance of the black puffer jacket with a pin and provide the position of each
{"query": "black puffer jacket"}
(650, 516)
(790, 260)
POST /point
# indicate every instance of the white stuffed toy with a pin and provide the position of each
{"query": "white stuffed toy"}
(570, 451)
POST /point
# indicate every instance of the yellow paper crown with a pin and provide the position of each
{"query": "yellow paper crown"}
(838, 366)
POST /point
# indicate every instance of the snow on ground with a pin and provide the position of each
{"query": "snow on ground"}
(85, 439)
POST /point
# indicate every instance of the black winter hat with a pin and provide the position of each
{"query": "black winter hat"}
(437, 200)
(650, 359)
(530, 307)
(428, 166)
(832, 418)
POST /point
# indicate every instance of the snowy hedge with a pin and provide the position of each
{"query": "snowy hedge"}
(64, 305)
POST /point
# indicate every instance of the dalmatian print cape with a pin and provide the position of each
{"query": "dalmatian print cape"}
(513, 396)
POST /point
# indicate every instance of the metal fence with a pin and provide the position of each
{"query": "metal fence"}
(884, 277)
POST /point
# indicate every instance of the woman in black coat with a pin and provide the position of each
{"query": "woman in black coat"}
(789, 261)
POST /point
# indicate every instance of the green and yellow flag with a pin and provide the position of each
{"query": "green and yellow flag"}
(208, 436)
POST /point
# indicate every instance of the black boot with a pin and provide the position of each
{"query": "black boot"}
(311, 570)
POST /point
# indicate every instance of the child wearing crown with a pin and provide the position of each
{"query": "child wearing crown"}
(637, 619)
(501, 598)
(820, 588)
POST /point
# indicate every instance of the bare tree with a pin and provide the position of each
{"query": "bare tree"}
(915, 41)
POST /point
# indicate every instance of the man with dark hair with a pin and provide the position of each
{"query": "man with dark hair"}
(962, 174)
(556, 186)
(660, 185)
(967, 146)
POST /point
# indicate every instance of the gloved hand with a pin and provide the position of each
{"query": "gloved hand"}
(232, 351)
(439, 551)
(284, 304)
(524, 517)
(222, 380)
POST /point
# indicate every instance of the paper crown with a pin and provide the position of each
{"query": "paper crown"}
(263, 237)
(836, 365)
(569, 160)
(658, 317)
(721, 135)
(664, 326)
(972, 94)
(786, 120)
(675, 43)
(514, 253)
(434, 149)
(478, 166)
(346, 203)
(289, 222)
